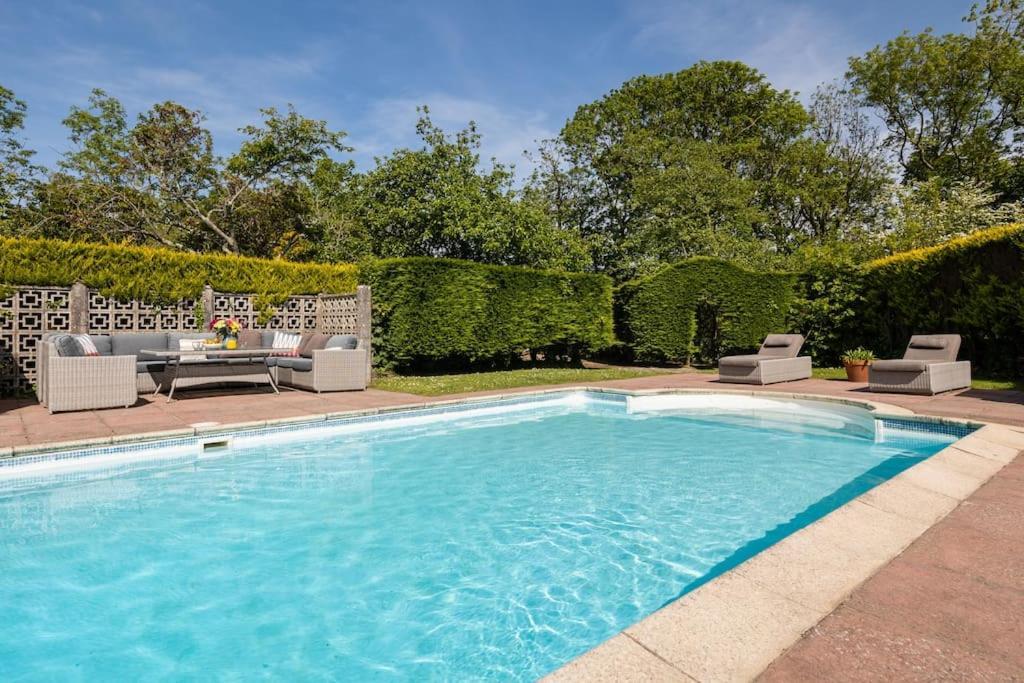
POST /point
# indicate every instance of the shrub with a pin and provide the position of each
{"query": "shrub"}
(163, 276)
(973, 286)
(432, 312)
(702, 306)
(827, 311)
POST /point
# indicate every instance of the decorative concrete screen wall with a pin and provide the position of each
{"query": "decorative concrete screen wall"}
(29, 312)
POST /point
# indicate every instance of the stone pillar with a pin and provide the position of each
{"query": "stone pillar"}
(78, 307)
(207, 300)
(319, 313)
(364, 325)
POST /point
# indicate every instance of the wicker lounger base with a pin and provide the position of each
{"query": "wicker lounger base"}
(767, 371)
(939, 377)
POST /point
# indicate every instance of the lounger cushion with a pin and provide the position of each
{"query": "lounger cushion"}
(922, 342)
(132, 343)
(900, 365)
(934, 347)
(781, 345)
(342, 341)
(741, 361)
(293, 363)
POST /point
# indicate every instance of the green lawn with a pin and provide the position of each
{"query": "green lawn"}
(436, 385)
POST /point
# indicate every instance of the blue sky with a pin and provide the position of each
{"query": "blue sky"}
(519, 69)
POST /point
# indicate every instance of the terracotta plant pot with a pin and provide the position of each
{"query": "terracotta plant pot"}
(857, 371)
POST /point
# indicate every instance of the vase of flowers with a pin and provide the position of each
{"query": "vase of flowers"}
(226, 330)
(857, 361)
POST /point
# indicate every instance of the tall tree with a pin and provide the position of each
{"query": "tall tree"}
(159, 181)
(951, 104)
(439, 201)
(676, 165)
(17, 172)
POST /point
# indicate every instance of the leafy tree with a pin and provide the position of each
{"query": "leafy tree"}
(929, 212)
(438, 201)
(952, 104)
(160, 181)
(675, 165)
(17, 173)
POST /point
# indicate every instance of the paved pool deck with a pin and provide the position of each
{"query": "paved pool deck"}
(24, 422)
(948, 605)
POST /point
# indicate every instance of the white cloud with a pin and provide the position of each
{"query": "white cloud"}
(795, 46)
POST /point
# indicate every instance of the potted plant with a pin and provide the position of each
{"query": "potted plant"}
(856, 361)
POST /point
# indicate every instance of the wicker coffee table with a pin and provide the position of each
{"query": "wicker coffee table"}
(185, 370)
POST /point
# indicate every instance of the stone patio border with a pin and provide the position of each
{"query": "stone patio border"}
(734, 626)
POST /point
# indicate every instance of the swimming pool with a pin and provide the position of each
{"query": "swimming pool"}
(494, 540)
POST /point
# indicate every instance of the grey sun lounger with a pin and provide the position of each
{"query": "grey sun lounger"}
(775, 361)
(929, 366)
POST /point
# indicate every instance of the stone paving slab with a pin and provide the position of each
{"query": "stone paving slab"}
(951, 607)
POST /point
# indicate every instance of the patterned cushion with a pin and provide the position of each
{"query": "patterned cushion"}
(288, 343)
(68, 346)
(88, 347)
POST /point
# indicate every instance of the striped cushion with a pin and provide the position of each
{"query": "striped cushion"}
(88, 347)
(288, 343)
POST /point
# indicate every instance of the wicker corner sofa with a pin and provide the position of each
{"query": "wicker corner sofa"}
(775, 361)
(929, 366)
(122, 370)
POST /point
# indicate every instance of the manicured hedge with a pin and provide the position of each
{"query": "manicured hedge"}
(658, 315)
(973, 286)
(433, 312)
(163, 276)
(426, 311)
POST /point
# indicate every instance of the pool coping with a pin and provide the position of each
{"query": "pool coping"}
(735, 625)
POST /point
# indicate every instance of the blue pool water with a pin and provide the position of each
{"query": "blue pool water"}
(481, 546)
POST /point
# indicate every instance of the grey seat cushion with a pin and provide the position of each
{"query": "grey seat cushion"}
(293, 363)
(132, 343)
(342, 341)
(102, 343)
(268, 338)
(900, 365)
(741, 361)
